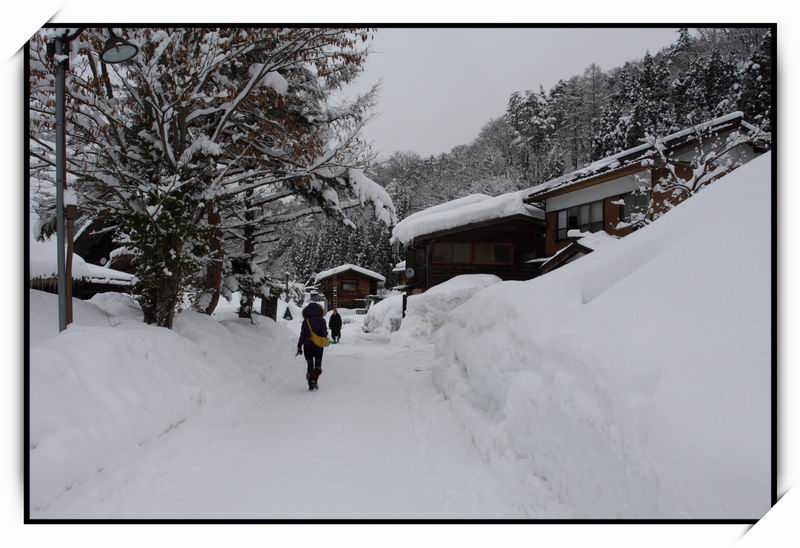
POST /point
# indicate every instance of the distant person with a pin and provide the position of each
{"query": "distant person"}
(335, 324)
(313, 340)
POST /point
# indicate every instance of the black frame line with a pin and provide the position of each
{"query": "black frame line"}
(774, 278)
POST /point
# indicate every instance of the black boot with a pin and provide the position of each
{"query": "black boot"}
(314, 377)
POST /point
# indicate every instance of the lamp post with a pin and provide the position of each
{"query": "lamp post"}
(116, 50)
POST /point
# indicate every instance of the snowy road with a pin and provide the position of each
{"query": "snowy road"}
(376, 441)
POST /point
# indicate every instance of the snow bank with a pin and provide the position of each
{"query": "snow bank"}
(111, 384)
(634, 382)
(427, 312)
(470, 209)
(385, 316)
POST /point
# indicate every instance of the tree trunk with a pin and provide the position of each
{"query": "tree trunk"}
(247, 298)
(216, 245)
(247, 294)
(269, 306)
(169, 288)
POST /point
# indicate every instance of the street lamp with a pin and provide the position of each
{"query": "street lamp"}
(116, 50)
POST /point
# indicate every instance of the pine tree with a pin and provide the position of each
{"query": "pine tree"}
(754, 95)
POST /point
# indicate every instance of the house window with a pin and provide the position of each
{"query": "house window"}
(503, 254)
(489, 253)
(585, 217)
(635, 203)
(442, 252)
(348, 285)
(469, 253)
(462, 253)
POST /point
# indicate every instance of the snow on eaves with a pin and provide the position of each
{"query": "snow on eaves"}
(468, 210)
(43, 263)
(345, 267)
(594, 240)
(640, 153)
(104, 275)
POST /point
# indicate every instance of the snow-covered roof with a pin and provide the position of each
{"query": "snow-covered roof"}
(345, 267)
(639, 154)
(103, 275)
(468, 210)
(43, 263)
(399, 267)
(590, 241)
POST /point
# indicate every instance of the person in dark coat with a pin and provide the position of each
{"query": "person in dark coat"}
(312, 314)
(335, 324)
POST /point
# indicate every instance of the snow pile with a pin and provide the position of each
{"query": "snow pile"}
(111, 384)
(634, 382)
(344, 268)
(474, 208)
(427, 312)
(384, 316)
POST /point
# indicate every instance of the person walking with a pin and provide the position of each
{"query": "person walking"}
(335, 325)
(313, 340)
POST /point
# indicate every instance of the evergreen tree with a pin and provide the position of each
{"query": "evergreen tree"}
(754, 93)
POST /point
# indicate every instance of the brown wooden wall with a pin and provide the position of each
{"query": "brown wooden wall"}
(525, 235)
(346, 299)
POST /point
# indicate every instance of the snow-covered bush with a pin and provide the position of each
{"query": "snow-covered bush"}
(385, 316)
(634, 382)
(427, 312)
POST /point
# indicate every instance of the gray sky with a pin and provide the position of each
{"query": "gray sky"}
(440, 86)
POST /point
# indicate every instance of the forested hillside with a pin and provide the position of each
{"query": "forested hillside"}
(547, 132)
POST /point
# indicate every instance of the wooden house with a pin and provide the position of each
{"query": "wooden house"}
(605, 195)
(476, 234)
(346, 284)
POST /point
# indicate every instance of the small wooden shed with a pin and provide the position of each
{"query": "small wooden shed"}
(347, 283)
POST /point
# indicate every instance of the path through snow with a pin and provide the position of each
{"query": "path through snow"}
(376, 441)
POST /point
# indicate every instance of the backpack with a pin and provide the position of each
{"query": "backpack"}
(322, 342)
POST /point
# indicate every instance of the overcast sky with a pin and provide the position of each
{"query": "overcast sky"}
(440, 86)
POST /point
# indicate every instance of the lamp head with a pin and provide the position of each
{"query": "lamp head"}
(118, 50)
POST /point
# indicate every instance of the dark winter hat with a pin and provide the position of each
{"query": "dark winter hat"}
(312, 310)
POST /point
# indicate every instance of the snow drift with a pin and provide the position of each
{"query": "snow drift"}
(427, 312)
(634, 382)
(384, 316)
(110, 383)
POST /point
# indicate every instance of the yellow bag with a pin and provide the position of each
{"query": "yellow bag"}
(322, 342)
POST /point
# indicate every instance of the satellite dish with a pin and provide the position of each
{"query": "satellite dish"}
(409, 272)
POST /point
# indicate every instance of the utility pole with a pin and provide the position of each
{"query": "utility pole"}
(64, 315)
